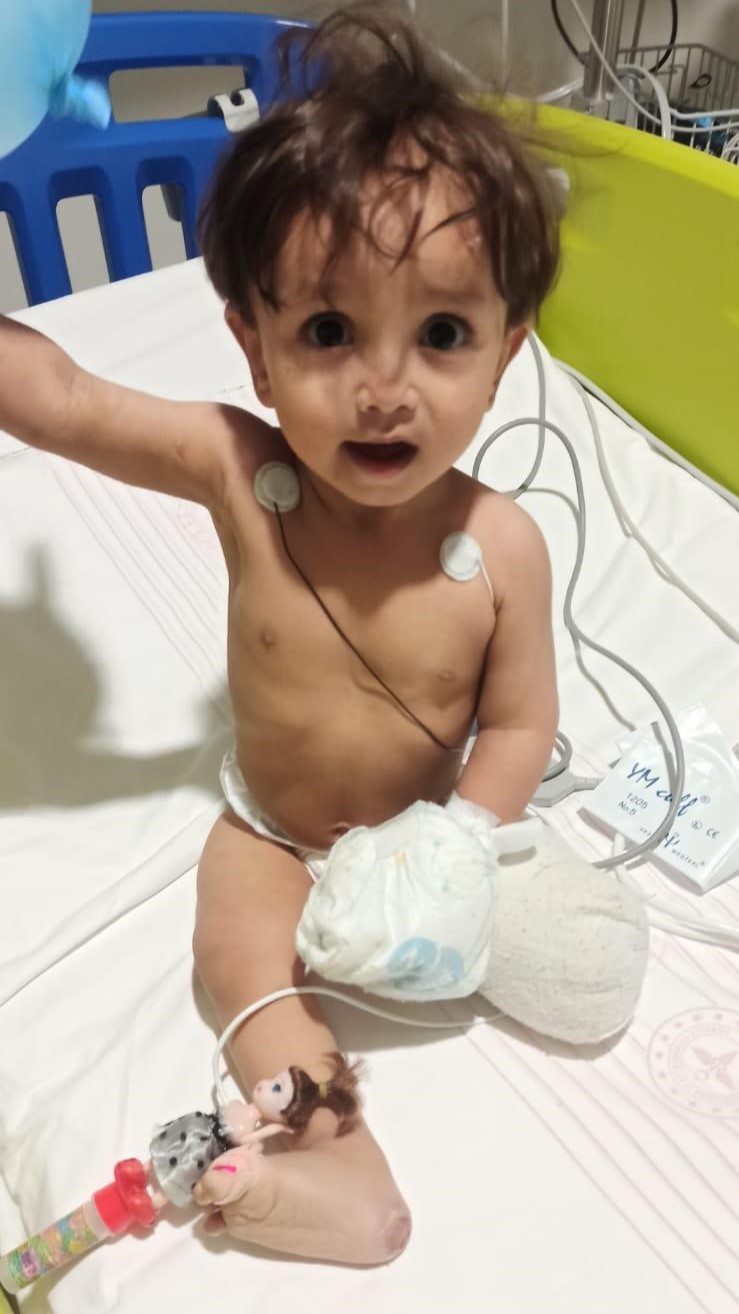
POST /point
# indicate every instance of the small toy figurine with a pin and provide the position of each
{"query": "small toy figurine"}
(182, 1151)
(292, 1097)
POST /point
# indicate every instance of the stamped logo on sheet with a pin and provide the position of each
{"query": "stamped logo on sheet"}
(694, 1061)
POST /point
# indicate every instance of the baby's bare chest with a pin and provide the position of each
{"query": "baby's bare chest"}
(307, 616)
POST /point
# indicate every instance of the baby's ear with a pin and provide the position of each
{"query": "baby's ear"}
(512, 344)
(247, 336)
(515, 340)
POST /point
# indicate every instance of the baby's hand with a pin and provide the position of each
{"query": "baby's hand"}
(227, 1180)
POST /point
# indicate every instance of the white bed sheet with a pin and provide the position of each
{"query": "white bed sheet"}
(563, 1180)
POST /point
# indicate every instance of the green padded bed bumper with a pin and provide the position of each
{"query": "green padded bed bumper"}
(647, 303)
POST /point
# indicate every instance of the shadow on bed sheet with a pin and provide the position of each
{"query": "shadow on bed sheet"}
(52, 693)
(362, 1033)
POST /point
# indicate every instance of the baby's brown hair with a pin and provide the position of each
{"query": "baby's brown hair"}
(365, 95)
(339, 1094)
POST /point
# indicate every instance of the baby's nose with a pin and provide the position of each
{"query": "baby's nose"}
(385, 397)
(384, 389)
(384, 414)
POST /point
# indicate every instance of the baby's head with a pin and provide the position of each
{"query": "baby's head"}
(382, 245)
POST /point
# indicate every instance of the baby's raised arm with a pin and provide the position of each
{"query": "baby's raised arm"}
(48, 401)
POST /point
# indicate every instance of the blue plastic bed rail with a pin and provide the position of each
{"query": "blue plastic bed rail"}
(64, 159)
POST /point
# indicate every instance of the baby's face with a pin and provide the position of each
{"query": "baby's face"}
(382, 386)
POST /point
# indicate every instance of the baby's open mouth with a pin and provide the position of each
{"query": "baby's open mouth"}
(381, 456)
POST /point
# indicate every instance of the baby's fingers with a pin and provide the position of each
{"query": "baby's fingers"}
(229, 1177)
(217, 1185)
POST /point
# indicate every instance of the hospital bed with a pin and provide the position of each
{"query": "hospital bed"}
(542, 1177)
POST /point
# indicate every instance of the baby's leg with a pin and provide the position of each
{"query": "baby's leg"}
(329, 1198)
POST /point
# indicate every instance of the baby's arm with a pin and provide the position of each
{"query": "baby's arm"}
(48, 401)
(518, 709)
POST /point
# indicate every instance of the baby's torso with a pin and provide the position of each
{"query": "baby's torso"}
(322, 745)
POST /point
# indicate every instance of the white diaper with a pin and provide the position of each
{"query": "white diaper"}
(241, 801)
(439, 902)
(404, 909)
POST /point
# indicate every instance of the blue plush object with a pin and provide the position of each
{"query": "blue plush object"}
(64, 158)
(40, 45)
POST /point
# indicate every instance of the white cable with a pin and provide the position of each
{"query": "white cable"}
(691, 930)
(676, 770)
(685, 117)
(222, 1098)
(504, 32)
(717, 933)
(652, 553)
(665, 112)
(471, 77)
(730, 151)
(559, 93)
(657, 443)
(714, 933)
(665, 919)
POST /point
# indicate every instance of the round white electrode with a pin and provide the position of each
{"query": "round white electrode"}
(277, 485)
(460, 556)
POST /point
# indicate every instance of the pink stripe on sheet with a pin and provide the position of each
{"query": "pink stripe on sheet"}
(552, 1129)
(696, 959)
(675, 1162)
(629, 1060)
(710, 907)
(177, 599)
(707, 971)
(87, 492)
(707, 1146)
(648, 1159)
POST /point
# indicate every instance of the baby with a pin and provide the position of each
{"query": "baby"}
(382, 247)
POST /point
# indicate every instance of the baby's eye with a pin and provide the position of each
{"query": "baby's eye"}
(444, 332)
(276, 1088)
(327, 330)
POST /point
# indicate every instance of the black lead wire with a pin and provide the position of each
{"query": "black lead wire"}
(582, 58)
(356, 651)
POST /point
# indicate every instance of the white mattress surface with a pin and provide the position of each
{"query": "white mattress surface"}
(543, 1179)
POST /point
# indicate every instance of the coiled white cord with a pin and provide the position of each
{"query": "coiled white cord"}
(221, 1096)
(681, 119)
(662, 916)
(718, 933)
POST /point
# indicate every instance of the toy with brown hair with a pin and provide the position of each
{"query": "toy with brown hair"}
(228, 1143)
(290, 1098)
(304, 1095)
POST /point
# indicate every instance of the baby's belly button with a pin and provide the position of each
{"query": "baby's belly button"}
(324, 794)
